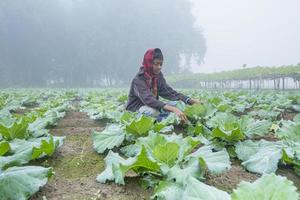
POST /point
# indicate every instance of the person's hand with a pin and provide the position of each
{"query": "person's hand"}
(180, 114)
(194, 101)
(177, 112)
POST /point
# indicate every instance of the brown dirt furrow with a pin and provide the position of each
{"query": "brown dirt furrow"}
(76, 166)
(229, 180)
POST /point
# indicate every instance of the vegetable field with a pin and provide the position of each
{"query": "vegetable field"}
(82, 144)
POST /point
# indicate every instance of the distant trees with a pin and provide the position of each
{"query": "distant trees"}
(281, 77)
(85, 43)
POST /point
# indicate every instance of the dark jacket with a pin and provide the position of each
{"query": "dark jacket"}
(140, 94)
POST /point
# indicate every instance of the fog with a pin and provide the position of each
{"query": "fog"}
(100, 42)
(252, 32)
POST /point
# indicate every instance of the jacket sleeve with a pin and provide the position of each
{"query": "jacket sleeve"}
(169, 93)
(145, 95)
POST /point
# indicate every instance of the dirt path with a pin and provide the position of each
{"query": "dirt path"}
(230, 179)
(77, 165)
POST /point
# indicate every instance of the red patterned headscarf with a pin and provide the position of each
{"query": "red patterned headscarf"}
(151, 78)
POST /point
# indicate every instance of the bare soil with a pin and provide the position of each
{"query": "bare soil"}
(229, 180)
(76, 166)
(270, 137)
(20, 111)
(289, 173)
(286, 115)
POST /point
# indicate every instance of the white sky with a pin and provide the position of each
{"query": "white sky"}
(252, 32)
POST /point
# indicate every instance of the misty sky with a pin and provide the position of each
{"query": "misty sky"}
(252, 32)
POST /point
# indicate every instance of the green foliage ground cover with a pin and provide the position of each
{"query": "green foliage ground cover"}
(228, 125)
(24, 137)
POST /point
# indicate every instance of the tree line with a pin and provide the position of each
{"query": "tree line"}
(281, 77)
(73, 43)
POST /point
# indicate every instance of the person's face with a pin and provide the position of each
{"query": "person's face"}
(157, 65)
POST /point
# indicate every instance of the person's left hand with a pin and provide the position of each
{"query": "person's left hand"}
(194, 101)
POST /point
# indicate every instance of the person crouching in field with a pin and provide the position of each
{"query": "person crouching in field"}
(149, 84)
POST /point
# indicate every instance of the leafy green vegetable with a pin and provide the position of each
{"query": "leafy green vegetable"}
(127, 117)
(268, 187)
(253, 128)
(179, 174)
(230, 134)
(152, 140)
(166, 153)
(47, 148)
(22, 182)
(200, 191)
(191, 190)
(131, 150)
(141, 126)
(297, 118)
(168, 191)
(221, 120)
(162, 127)
(195, 111)
(22, 151)
(116, 166)
(4, 147)
(260, 157)
(216, 162)
(112, 136)
(112, 161)
(289, 130)
(17, 129)
(141, 163)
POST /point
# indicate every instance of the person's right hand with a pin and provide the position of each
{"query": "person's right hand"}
(177, 112)
(180, 114)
